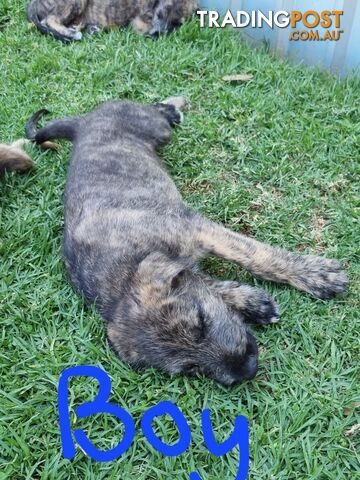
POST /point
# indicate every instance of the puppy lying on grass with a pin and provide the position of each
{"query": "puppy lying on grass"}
(65, 19)
(132, 246)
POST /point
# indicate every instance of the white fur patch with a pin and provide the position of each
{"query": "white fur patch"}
(77, 36)
(181, 115)
(274, 319)
(180, 102)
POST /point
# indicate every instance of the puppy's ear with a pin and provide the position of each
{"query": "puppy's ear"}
(157, 274)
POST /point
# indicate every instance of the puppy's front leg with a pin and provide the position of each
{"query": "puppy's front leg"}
(57, 28)
(253, 303)
(318, 276)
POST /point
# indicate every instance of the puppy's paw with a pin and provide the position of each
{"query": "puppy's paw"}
(254, 304)
(172, 114)
(178, 117)
(321, 277)
(77, 35)
(180, 102)
(93, 29)
(259, 308)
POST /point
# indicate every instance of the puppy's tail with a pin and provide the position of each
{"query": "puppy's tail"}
(33, 17)
(31, 126)
(62, 128)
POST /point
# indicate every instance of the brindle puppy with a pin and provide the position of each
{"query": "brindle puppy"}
(66, 18)
(132, 247)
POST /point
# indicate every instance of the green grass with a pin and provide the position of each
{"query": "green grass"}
(277, 158)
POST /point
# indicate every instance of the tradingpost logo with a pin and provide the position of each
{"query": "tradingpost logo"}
(309, 25)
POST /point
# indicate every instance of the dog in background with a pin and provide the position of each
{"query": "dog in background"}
(65, 19)
(132, 246)
(14, 158)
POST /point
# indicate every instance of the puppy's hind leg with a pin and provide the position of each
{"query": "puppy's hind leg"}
(172, 109)
(63, 128)
(180, 102)
(171, 113)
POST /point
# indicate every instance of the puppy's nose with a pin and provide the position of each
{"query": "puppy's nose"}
(158, 28)
(154, 34)
(251, 368)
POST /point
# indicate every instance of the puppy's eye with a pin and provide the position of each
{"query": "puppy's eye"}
(251, 349)
(201, 317)
(176, 281)
(191, 368)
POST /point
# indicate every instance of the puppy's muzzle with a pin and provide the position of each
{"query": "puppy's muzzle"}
(158, 28)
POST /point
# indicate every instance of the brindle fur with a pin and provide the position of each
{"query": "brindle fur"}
(132, 246)
(66, 18)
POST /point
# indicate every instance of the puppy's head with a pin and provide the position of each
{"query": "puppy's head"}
(172, 321)
(170, 14)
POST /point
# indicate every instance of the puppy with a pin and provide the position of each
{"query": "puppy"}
(65, 19)
(13, 157)
(132, 246)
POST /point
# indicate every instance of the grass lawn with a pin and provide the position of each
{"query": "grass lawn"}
(277, 158)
